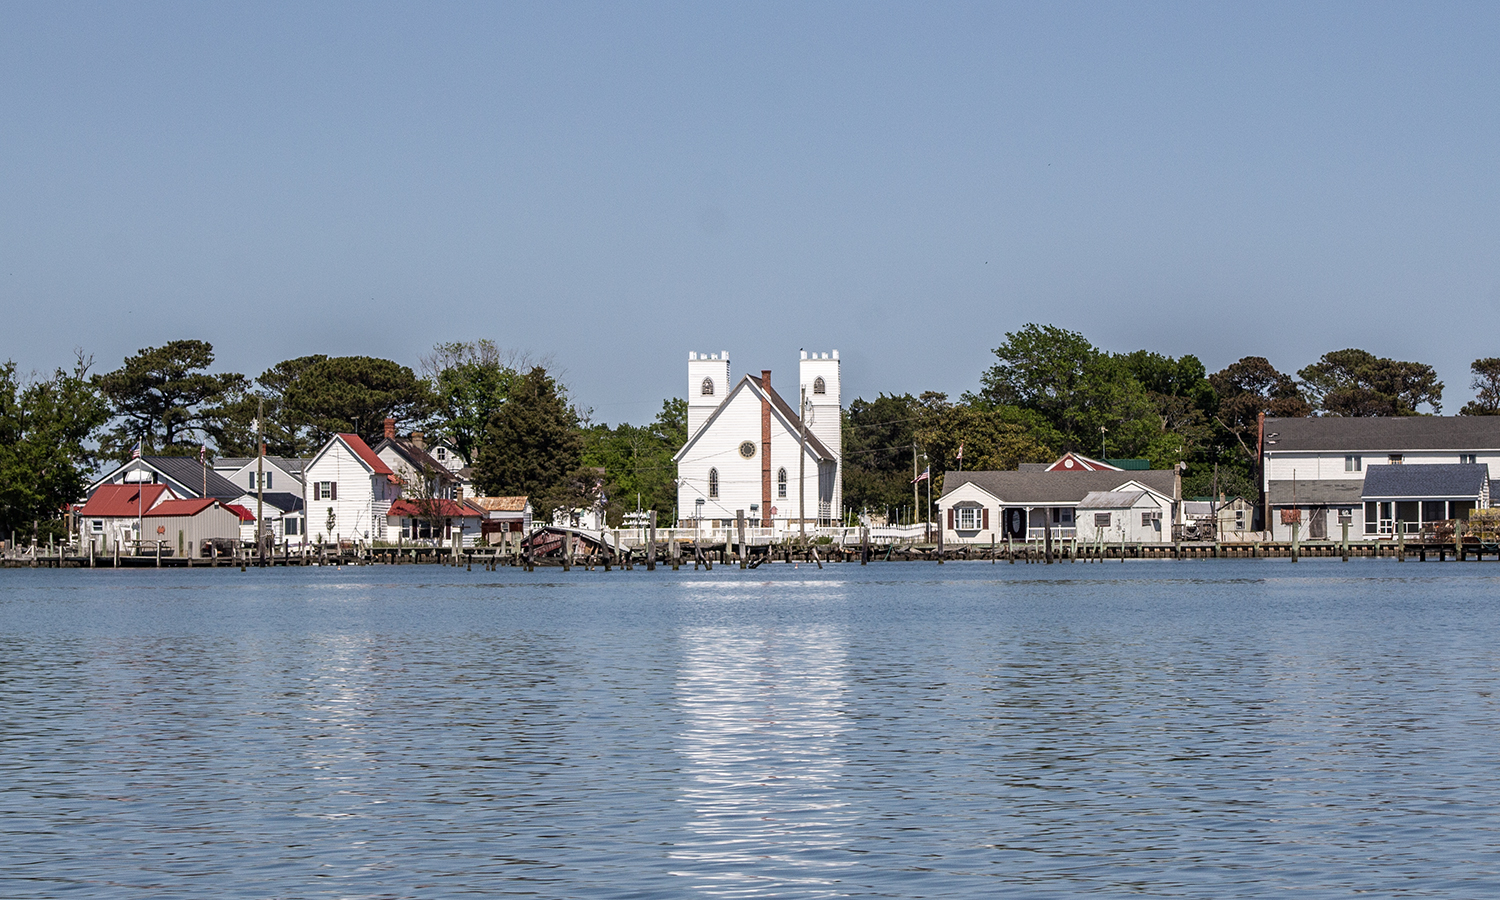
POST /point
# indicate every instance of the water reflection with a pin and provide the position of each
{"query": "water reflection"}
(763, 729)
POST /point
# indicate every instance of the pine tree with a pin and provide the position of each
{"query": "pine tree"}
(532, 444)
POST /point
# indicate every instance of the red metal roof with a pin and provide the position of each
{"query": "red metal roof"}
(363, 451)
(123, 499)
(446, 508)
(244, 514)
(180, 507)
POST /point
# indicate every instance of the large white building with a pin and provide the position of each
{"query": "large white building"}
(1380, 476)
(749, 450)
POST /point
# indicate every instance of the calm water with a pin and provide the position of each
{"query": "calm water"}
(1179, 729)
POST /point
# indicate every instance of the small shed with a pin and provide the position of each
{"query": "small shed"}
(1131, 516)
(188, 525)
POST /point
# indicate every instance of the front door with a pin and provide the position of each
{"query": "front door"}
(1317, 527)
(1015, 524)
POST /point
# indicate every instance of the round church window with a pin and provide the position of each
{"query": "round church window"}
(747, 449)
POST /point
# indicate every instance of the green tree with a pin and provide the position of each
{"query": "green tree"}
(1358, 383)
(637, 461)
(164, 396)
(1248, 388)
(231, 425)
(532, 446)
(355, 394)
(992, 438)
(1486, 384)
(878, 436)
(1087, 395)
(45, 427)
(470, 381)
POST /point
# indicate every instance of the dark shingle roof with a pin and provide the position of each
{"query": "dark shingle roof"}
(1338, 492)
(1382, 434)
(1057, 487)
(187, 472)
(1448, 481)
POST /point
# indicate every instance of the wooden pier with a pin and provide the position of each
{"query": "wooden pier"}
(568, 548)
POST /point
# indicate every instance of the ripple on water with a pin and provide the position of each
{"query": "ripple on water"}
(1227, 728)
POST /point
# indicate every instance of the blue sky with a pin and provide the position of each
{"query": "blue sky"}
(618, 184)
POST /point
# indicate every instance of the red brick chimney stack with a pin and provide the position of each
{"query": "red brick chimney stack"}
(390, 429)
(765, 450)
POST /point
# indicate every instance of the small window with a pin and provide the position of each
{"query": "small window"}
(270, 479)
(968, 518)
(1101, 520)
(1353, 463)
(252, 481)
(1395, 459)
(781, 484)
(442, 454)
(819, 386)
(97, 526)
(1468, 458)
(713, 482)
(326, 490)
(707, 388)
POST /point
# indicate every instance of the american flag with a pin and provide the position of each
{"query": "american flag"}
(135, 452)
(960, 451)
(926, 474)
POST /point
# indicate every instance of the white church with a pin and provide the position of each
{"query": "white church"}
(748, 449)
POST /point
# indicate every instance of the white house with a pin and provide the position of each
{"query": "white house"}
(1314, 469)
(281, 474)
(420, 473)
(978, 507)
(349, 491)
(1132, 516)
(748, 449)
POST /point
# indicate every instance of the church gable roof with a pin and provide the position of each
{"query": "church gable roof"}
(779, 408)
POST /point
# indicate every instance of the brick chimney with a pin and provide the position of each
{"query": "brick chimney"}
(390, 429)
(419, 439)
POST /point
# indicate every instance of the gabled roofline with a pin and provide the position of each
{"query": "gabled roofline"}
(375, 464)
(778, 406)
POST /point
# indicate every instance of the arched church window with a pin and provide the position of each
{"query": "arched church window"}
(819, 387)
(708, 387)
(781, 484)
(713, 483)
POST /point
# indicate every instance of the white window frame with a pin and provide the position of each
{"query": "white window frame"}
(1354, 463)
(967, 518)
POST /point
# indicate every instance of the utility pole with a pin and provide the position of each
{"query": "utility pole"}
(260, 481)
(802, 464)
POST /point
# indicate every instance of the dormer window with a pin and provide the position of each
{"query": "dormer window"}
(819, 386)
(707, 389)
(442, 454)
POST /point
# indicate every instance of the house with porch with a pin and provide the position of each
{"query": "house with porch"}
(1314, 470)
(434, 522)
(978, 507)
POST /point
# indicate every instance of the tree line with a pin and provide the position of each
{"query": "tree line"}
(1049, 390)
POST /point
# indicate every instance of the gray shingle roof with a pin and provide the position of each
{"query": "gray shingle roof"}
(186, 470)
(1044, 488)
(1340, 492)
(290, 464)
(1438, 481)
(1111, 499)
(1384, 434)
